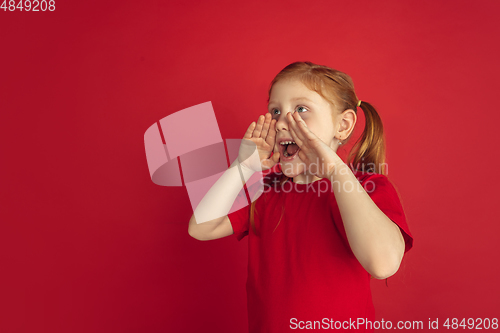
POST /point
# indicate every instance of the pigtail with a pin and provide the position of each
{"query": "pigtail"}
(368, 153)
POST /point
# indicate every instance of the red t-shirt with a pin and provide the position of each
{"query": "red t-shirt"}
(305, 270)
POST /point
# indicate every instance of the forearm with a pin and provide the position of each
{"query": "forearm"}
(219, 199)
(375, 240)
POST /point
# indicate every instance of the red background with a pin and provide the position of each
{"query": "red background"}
(89, 244)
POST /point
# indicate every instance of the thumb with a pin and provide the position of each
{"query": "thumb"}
(276, 157)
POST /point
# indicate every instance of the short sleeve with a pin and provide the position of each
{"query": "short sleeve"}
(385, 196)
(240, 219)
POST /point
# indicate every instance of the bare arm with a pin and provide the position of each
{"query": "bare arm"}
(375, 240)
(215, 205)
(210, 220)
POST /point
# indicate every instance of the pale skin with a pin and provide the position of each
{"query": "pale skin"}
(375, 240)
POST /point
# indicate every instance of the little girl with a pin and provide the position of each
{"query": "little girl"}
(322, 228)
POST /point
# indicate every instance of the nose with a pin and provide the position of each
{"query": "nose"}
(282, 122)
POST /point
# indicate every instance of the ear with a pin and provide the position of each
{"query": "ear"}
(346, 122)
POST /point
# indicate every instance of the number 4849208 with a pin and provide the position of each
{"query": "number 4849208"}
(478, 323)
(29, 5)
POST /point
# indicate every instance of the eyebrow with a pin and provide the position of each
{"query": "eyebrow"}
(297, 99)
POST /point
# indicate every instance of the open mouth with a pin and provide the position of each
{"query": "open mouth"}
(288, 149)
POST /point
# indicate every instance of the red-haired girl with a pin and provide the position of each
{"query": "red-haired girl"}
(322, 228)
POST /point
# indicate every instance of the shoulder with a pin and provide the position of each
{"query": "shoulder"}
(363, 176)
(375, 182)
(386, 196)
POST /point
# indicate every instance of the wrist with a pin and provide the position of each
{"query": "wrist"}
(247, 171)
(340, 169)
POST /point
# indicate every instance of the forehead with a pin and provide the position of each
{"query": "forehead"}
(293, 90)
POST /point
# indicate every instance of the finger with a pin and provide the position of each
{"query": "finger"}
(258, 127)
(248, 133)
(271, 134)
(295, 127)
(276, 157)
(296, 138)
(302, 128)
(265, 127)
(272, 161)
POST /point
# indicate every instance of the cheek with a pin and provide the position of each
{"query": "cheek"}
(310, 123)
(315, 126)
(325, 134)
(321, 128)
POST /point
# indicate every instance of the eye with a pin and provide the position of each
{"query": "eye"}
(275, 112)
(303, 107)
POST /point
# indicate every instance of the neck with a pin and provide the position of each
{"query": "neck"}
(305, 179)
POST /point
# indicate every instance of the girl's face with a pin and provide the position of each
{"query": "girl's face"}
(290, 96)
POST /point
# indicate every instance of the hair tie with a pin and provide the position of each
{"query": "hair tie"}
(359, 103)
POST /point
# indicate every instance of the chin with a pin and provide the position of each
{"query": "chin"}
(290, 169)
